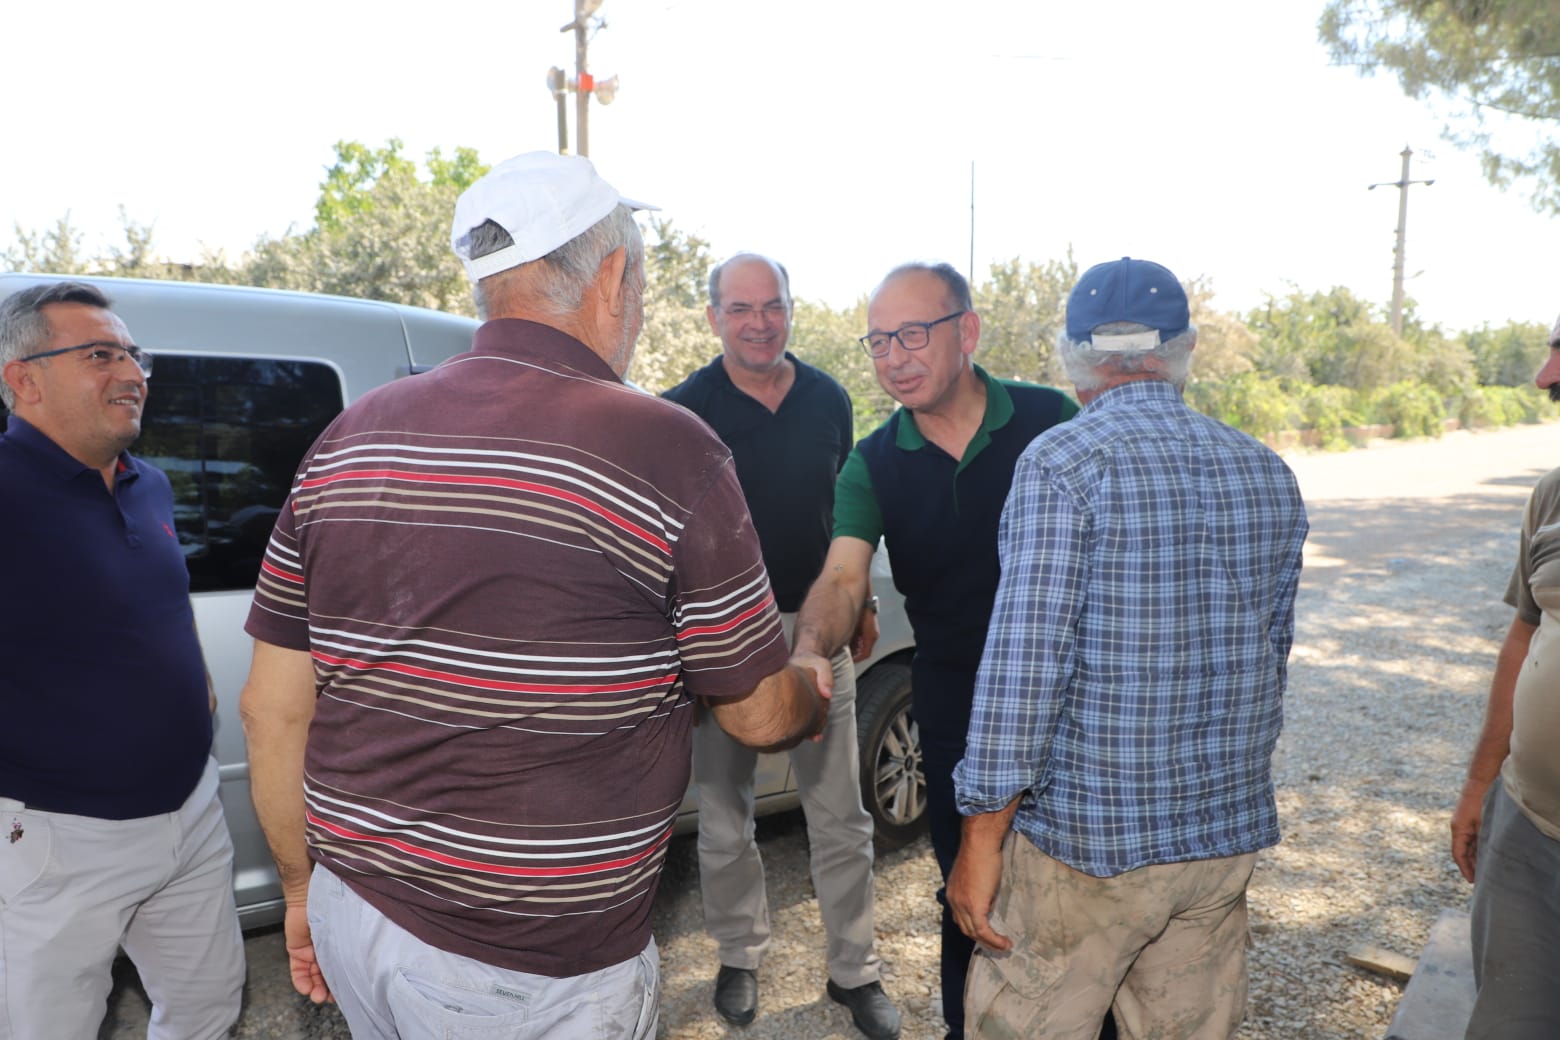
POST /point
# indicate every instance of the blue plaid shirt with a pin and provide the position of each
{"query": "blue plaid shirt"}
(1133, 677)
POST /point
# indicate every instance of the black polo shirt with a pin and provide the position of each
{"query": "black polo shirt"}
(103, 688)
(786, 462)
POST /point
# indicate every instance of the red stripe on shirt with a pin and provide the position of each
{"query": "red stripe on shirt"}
(503, 482)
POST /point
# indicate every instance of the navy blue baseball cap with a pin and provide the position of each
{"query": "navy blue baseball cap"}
(1138, 291)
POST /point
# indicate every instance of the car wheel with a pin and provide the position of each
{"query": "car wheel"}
(893, 778)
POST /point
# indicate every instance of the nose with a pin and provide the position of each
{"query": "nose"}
(898, 353)
(1549, 375)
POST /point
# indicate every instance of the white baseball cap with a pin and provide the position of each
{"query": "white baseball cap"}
(542, 199)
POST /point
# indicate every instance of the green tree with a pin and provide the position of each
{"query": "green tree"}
(1334, 338)
(1483, 56)
(829, 339)
(676, 338)
(382, 232)
(56, 250)
(348, 188)
(1224, 343)
(1509, 355)
(1021, 306)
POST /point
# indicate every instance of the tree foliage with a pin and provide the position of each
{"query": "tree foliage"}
(1508, 355)
(1021, 306)
(676, 337)
(1487, 57)
(1317, 360)
(381, 232)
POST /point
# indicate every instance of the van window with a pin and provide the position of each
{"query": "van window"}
(230, 432)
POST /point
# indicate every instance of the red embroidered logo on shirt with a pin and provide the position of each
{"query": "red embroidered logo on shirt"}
(165, 527)
(16, 831)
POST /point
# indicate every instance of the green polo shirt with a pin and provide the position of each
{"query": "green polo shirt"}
(856, 512)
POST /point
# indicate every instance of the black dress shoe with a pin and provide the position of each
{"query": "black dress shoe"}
(736, 994)
(869, 1009)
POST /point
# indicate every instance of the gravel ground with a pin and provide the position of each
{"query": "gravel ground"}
(1398, 623)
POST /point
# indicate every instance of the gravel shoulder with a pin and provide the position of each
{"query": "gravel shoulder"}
(1398, 623)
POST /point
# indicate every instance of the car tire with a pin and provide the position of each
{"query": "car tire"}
(893, 777)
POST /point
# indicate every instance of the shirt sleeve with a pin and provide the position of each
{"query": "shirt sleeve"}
(723, 611)
(1030, 652)
(1281, 629)
(1519, 589)
(856, 513)
(279, 613)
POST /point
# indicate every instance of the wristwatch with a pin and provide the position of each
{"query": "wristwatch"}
(871, 604)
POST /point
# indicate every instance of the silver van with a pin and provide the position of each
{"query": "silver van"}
(246, 380)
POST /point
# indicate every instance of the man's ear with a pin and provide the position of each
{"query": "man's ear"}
(23, 382)
(609, 281)
(709, 314)
(969, 331)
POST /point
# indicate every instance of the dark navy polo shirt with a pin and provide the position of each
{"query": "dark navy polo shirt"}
(938, 515)
(787, 461)
(103, 691)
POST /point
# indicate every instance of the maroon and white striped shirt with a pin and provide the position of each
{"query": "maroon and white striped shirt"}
(513, 574)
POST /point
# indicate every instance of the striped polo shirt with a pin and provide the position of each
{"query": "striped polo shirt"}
(513, 574)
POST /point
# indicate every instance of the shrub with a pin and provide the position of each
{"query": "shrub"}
(1248, 401)
(1328, 410)
(1413, 408)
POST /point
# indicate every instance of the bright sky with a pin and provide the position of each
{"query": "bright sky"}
(837, 135)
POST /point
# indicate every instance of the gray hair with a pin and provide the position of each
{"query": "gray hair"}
(1091, 369)
(718, 269)
(957, 286)
(565, 273)
(23, 328)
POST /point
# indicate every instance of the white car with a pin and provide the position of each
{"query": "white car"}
(246, 380)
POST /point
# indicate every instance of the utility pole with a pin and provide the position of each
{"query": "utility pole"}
(581, 77)
(583, 84)
(1401, 184)
(972, 221)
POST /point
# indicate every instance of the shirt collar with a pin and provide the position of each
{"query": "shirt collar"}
(1135, 390)
(519, 338)
(56, 459)
(717, 368)
(999, 411)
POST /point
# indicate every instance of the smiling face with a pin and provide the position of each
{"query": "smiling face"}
(93, 412)
(922, 380)
(753, 320)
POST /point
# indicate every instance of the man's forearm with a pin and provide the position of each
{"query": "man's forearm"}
(782, 711)
(985, 832)
(829, 615)
(277, 706)
(1495, 735)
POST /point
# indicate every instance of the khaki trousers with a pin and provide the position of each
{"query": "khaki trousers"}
(839, 834)
(1163, 945)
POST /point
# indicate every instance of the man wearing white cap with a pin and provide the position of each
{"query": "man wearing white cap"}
(480, 627)
(1507, 821)
(1117, 778)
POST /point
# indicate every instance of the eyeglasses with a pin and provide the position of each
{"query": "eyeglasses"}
(102, 354)
(912, 335)
(774, 311)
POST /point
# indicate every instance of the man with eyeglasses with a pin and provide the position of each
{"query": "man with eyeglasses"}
(1506, 825)
(930, 482)
(789, 429)
(114, 836)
